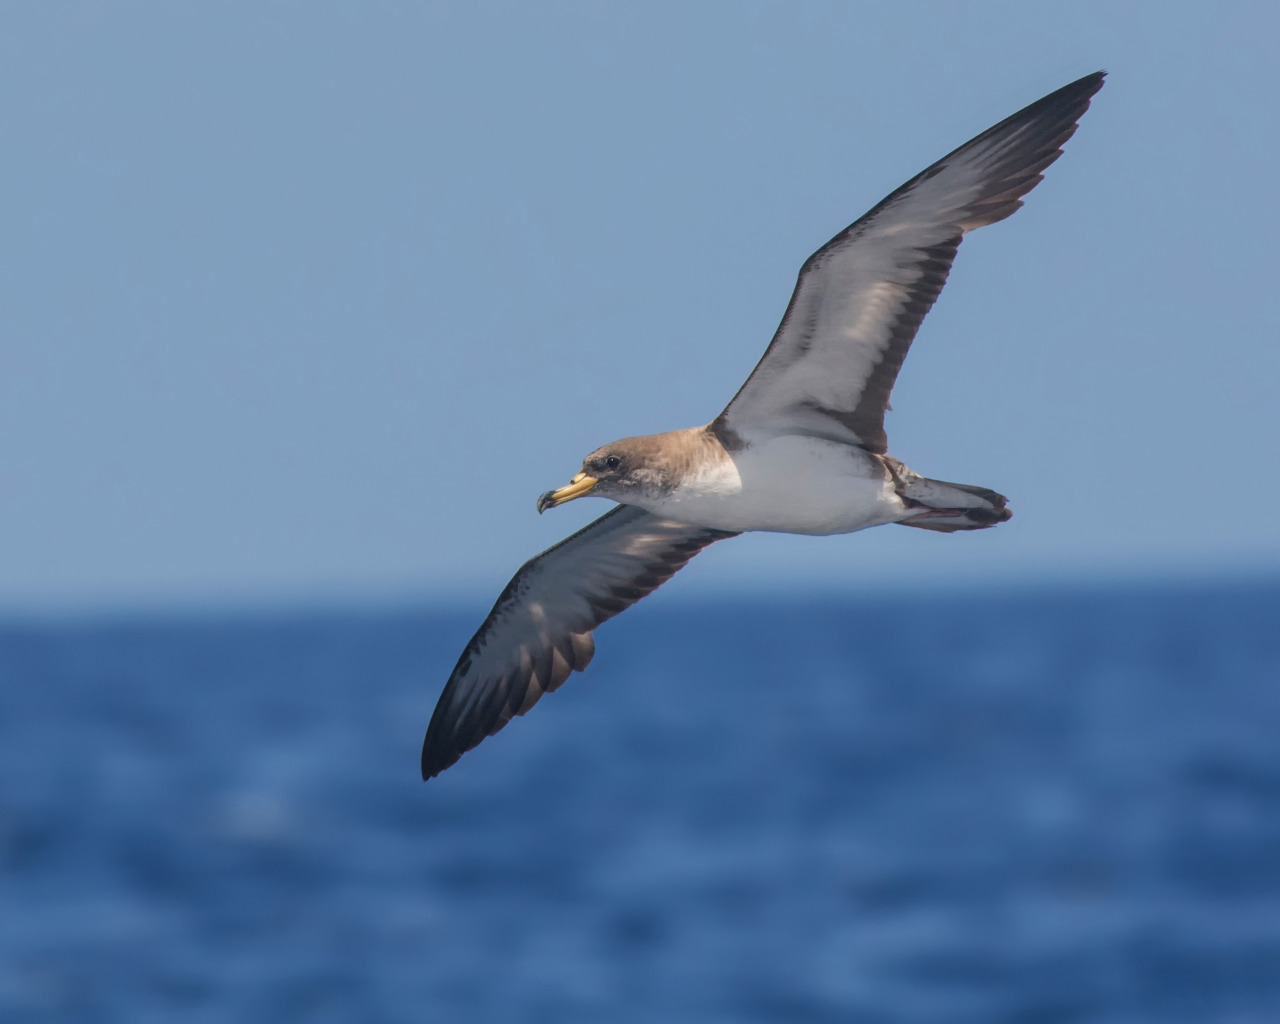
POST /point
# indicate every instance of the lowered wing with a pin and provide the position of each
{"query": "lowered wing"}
(539, 631)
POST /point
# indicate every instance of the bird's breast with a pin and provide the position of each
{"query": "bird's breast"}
(785, 485)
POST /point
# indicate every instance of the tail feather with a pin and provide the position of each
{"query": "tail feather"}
(947, 507)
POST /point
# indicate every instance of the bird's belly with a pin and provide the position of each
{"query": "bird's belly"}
(789, 485)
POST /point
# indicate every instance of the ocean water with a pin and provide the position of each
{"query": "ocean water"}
(1021, 807)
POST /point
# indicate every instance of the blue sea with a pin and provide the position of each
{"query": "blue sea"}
(995, 806)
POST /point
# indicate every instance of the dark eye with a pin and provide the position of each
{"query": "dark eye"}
(612, 462)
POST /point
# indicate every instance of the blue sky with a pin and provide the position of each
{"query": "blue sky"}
(310, 301)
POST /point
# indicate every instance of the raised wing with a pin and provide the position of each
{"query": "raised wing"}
(861, 297)
(539, 631)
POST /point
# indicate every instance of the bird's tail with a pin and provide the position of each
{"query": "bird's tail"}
(946, 507)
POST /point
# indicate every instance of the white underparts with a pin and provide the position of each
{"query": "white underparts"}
(788, 484)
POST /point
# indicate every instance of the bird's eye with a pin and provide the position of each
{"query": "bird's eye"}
(612, 462)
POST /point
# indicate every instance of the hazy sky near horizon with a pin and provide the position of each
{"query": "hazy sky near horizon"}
(310, 301)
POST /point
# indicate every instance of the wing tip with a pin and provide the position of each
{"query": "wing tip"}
(1037, 132)
(1085, 88)
(435, 760)
(1072, 100)
(438, 751)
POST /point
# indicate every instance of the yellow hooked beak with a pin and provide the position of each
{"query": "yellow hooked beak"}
(575, 488)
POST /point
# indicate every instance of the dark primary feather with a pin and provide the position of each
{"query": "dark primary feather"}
(861, 298)
(539, 631)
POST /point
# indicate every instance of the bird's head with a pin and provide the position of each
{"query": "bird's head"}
(623, 471)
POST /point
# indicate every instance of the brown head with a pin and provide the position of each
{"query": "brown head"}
(627, 470)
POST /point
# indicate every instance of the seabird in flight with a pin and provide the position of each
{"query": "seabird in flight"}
(801, 448)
